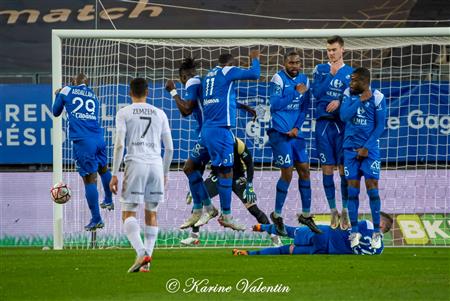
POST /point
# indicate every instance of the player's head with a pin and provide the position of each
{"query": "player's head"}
(335, 48)
(292, 63)
(138, 88)
(386, 222)
(360, 80)
(187, 69)
(226, 59)
(79, 79)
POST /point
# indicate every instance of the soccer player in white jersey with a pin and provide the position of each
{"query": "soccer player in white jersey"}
(140, 127)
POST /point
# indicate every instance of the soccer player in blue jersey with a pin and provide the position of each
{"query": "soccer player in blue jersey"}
(191, 104)
(289, 102)
(89, 148)
(332, 241)
(219, 112)
(364, 113)
(329, 83)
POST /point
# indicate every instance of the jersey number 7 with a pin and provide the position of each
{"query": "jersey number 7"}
(148, 125)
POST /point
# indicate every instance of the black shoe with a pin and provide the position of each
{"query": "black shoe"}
(279, 225)
(308, 221)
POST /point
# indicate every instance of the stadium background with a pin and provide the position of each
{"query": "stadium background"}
(25, 91)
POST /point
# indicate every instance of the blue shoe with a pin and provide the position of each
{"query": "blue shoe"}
(93, 226)
(107, 205)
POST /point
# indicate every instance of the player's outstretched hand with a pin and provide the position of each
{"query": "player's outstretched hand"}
(362, 153)
(249, 194)
(254, 54)
(293, 133)
(113, 184)
(333, 106)
(301, 88)
(170, 85)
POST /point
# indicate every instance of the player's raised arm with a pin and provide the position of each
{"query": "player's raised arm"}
(236, 73)
(304, 107)
(380, 119)
(58, 105)
(192, 84)
(349, 107)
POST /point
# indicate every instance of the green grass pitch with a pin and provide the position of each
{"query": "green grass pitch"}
(398, 274)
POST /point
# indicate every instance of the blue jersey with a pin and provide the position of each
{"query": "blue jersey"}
(335, 241)
(82, 108)
(338, 242)
(288, 107)
(219, 95)
(364, 121)
(326, 88)
(193, 92)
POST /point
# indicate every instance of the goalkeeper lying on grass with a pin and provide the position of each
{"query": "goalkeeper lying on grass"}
(330, 242)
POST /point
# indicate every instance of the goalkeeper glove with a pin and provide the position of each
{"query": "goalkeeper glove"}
(188, 198)
(249, 194)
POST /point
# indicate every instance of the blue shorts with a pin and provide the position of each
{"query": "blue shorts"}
(89, 155)
(220, 145)
(318, 243)
(329, 140)
(287, 150)
(369, 167)
(199, 154)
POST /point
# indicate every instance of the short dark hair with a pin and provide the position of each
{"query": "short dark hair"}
(389, 219)
(290, 53)
(187, 65)
(363, 73)
(334, 39)
(225, 58)
(138, 87)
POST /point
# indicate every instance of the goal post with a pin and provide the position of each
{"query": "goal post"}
(413, 61)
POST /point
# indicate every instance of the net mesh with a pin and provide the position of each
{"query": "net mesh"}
(412, 72)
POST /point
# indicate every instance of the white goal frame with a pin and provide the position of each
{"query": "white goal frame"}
(57, 35)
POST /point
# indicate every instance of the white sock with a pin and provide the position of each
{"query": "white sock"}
(132, 230)
(150, 236)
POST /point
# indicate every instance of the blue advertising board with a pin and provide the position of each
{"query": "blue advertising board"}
(417, 127)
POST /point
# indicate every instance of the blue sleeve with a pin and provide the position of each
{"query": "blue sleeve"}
(380, 118)
(303, 110)
(348, 108)
(239, 73)
(280, 99)
(58, 105)
(320, 84)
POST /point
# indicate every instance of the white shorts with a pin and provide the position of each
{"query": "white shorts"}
(142, 183)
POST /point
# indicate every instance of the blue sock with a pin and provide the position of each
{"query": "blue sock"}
(195, 178)
(224, 186)
(344, 192)
(304, 186)
(283, 250)
(106, 178)
(353, 205)
(375, 207)
(280, 198)
(328, 186)
(91, 194)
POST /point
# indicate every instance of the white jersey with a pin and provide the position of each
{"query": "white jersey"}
(142, 126)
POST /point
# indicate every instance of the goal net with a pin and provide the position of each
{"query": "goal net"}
(411, 67)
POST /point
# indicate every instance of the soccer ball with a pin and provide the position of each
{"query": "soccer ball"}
(60, 193)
